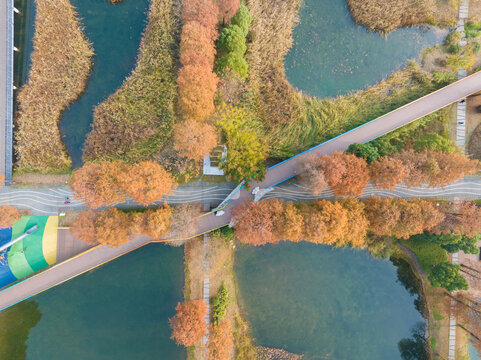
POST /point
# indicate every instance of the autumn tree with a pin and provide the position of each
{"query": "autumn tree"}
(346, 174)
(227, 9)
(8, 216)
(326, 222)
(83, 228)
(197, 86)
(387, 172)
(197, 83)
(188, 324)
(221, 341)
(246, 151)
(312, 175)
(183, 222)
(203, 11)
(196, 41)
(154, 223)
(401, 218)
(194, 140)
(97, 185)
(292, 223)
(112, 228)
(460, 218)
(258, 223)
(146, 182)
(357, 223)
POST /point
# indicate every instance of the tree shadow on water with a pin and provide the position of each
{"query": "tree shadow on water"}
(16, 323)
(415, 347)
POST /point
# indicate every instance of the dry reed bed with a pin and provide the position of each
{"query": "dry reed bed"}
(61, 63)
(136, 121)
(386, 16)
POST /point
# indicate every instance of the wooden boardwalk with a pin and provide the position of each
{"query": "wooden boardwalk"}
(274, 175)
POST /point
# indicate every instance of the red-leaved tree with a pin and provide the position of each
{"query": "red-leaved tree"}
(188, 324)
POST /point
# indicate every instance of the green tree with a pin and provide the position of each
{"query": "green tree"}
(446, 275)
(367, 151)
(434, 142)
(220, 303)
(231, 45)
(243, 19)
(246, 152)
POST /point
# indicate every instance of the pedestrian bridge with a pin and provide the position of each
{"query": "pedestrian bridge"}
(275, 175)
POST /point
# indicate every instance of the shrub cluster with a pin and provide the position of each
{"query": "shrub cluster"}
(231, 45)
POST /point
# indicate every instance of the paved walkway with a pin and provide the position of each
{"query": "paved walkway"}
(6, 87)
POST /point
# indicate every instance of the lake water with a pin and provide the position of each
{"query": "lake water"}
(326, 303)
(118, 311)
(116, 32)
(332, 55)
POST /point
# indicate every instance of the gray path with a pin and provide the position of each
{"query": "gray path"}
(6, 87)
(274, 176)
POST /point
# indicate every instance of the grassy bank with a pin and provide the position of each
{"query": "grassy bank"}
(61, 63)
(135, 122)
(220, 257)
(386, 16)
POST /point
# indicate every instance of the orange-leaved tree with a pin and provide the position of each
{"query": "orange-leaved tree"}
(346, 174)
(227, 9)
(357, 223)
(157, 222)
(8, 216)
(203, 11)
(258, 223)
(292, 223)
(83, 228)
(388, 172)
(312, 175)
(197, 85)
(221, 341)
(195, 41)
(113, 228)
(98, 184)
(188, 324)
(326, 222)
(194, 140)
(146, 182)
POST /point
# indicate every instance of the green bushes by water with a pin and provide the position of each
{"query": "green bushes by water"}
(135, 123)
(220, 304)
(429, 254)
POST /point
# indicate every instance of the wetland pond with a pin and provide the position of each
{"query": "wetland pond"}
(332, 55)
(326, 303)
(118, 311)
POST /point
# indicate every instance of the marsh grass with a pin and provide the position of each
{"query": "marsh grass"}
(135, 122)
(61, 63)
(323, 119)
(386, 16)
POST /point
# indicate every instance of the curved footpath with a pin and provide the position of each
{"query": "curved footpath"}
(274, 175)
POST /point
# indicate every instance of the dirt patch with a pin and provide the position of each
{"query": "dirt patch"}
(41, 179)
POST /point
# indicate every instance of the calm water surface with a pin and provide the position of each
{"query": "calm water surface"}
(115, 31)
(118, 311)
(332, 55)
(327, 304)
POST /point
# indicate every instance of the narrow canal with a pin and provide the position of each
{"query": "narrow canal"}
(118, 311)
(115, 31)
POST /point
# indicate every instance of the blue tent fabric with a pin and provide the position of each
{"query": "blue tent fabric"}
(6, 276)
